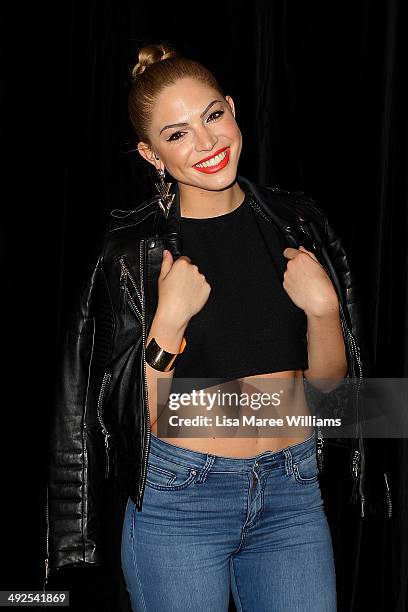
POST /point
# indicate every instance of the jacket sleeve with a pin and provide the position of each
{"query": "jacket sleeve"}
(333, 255)
(342, 269)
(75, 473)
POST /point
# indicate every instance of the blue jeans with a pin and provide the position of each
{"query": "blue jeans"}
(210, 523)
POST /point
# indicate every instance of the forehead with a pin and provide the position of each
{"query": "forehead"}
(183, 99)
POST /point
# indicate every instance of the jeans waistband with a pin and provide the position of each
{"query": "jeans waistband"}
(189, 457)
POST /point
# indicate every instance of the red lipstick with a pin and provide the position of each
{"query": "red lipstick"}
(212, 169)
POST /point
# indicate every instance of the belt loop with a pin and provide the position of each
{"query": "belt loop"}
(207, 466)
(288, 461)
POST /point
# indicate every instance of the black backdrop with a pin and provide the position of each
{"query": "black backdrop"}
(318, 88)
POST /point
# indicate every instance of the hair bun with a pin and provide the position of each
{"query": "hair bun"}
(151, 54)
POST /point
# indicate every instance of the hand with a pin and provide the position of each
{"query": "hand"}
(183, 290)
(307, 283)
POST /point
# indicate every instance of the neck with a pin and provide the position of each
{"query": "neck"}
(200, 203)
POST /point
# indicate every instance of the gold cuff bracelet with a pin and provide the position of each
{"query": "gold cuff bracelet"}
(159, 359)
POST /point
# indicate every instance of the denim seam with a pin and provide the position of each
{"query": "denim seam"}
(173, 487)
(243, 532)
(241, 609)
(188, 466)
(132, 523)
(170, 475)
(301, 480)
(135, 568)
(242, 541)
(288, 461)
(259, 495)
(203, 473)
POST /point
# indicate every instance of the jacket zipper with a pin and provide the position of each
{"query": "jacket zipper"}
(320, 455)
(126, 296)
(357, 455)
(145, 395)
(106, 378)
(388, 494)
(47, 551)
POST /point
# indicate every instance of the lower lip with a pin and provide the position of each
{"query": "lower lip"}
(220, 166)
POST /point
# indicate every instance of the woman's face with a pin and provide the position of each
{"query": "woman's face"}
(205, 128)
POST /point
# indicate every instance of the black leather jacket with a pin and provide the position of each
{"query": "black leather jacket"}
(100, 422)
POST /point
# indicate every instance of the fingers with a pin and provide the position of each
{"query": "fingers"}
(166, 264)
(291, 253)
(302, 248)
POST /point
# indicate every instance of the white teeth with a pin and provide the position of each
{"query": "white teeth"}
(213, 161)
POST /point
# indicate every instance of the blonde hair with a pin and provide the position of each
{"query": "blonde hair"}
(159, 66)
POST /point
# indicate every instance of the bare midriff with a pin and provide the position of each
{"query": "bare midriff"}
(237, 445)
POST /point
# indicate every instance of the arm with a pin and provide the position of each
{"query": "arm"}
(326, 350)
(311, 289)
(169, 337)
(332, 256)
(340, 264)
(182, 292)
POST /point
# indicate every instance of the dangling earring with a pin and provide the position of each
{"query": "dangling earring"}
(165, 199)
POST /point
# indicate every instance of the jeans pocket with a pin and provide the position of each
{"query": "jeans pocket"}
(167, 475)
(305, 469)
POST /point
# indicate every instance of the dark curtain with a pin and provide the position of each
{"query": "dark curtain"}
(320, 99)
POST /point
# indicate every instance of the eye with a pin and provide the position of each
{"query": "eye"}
(175, 134)
(221, 112)
(212, 117)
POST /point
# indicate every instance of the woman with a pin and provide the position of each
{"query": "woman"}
(250, 521)
(215, 283)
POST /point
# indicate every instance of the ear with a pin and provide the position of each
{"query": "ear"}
(231, 103)
(147, 154)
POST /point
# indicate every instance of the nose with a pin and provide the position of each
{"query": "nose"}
(205, 140)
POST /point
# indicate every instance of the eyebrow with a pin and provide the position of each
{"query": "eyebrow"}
(183, 124)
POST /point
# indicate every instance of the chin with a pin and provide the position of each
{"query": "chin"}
(218, 180)
(224, 182)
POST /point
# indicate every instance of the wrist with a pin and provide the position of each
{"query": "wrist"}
(168, 334)
(164, 320)
(324, 312)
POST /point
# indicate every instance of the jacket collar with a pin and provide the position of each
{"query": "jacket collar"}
(273, 202)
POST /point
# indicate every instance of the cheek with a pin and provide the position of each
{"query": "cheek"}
(177, 155)
(230, 128)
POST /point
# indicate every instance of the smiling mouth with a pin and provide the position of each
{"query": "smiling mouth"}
(215, 163)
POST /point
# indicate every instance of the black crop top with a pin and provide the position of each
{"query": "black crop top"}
(249, 325)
